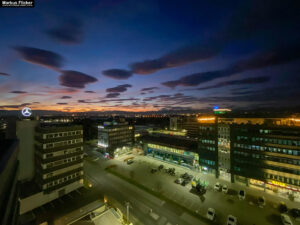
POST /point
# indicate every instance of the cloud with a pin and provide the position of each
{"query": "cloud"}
(258, 17)
(119, 88)
(18, 92)
(182, 56)
(66, 97)
(108, 100)
(75, 79)
(176, 99)
(149, 89)
(51, 90)
(265, 59)
(40, 57)
(62, 103)
(4, 74)
(14, 106)
(69, 32)
(251, 80)
(112, 95)
(118, 74)
(89, 92)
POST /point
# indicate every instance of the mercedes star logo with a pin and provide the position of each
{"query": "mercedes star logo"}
(26, 111)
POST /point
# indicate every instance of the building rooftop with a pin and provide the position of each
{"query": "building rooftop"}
(174, 141)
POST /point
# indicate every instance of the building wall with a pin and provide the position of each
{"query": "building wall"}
(41, 198)
(224, 149)
(208, 147)
(9, 188)
(59, 156)
(25, 130)
(111, 137)
(267, 153)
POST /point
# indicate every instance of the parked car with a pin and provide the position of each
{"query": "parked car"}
(217, 186)
(130, 161)
(242, 194)
(295, 212)
(153, 170)
(211, 214)
(178, 181)
(231, 220)
(282, 207)
(225, 189)
(285, 219)
(261, 201)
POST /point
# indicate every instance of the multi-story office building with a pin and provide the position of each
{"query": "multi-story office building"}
(9, 188)
(176, 123)
(208, 144)
(267, 154)
(173, 149)
(224, 150)
(58, 157)
(191, 125)
(115, 138)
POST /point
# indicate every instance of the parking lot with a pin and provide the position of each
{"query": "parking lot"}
(247, 211)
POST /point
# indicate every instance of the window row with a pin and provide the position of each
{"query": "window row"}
(265, 148)
(205, 141)
(63, 143)
(65, 152)
(282, 179)
(62, 134)
(63, 161)
(62, 180)
(208, 162)
(269, 140)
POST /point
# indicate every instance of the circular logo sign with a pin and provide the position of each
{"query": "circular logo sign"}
(26, 112)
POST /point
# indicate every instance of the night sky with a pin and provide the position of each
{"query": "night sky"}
(144, 55)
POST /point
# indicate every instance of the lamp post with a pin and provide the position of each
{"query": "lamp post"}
(127, 208)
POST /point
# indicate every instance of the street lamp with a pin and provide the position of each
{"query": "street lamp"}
(127, 208)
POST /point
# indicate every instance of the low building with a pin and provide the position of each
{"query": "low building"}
(173, 149)
(115, 138)
(9, 188)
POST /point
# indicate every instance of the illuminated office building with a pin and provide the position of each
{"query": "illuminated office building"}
(58, 157)
(173, 149)
(115, 138)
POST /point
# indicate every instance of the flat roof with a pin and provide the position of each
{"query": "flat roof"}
(169, 140)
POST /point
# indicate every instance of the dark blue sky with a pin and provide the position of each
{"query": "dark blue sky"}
(149, 55)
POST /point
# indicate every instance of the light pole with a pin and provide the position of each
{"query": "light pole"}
(127, 208)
